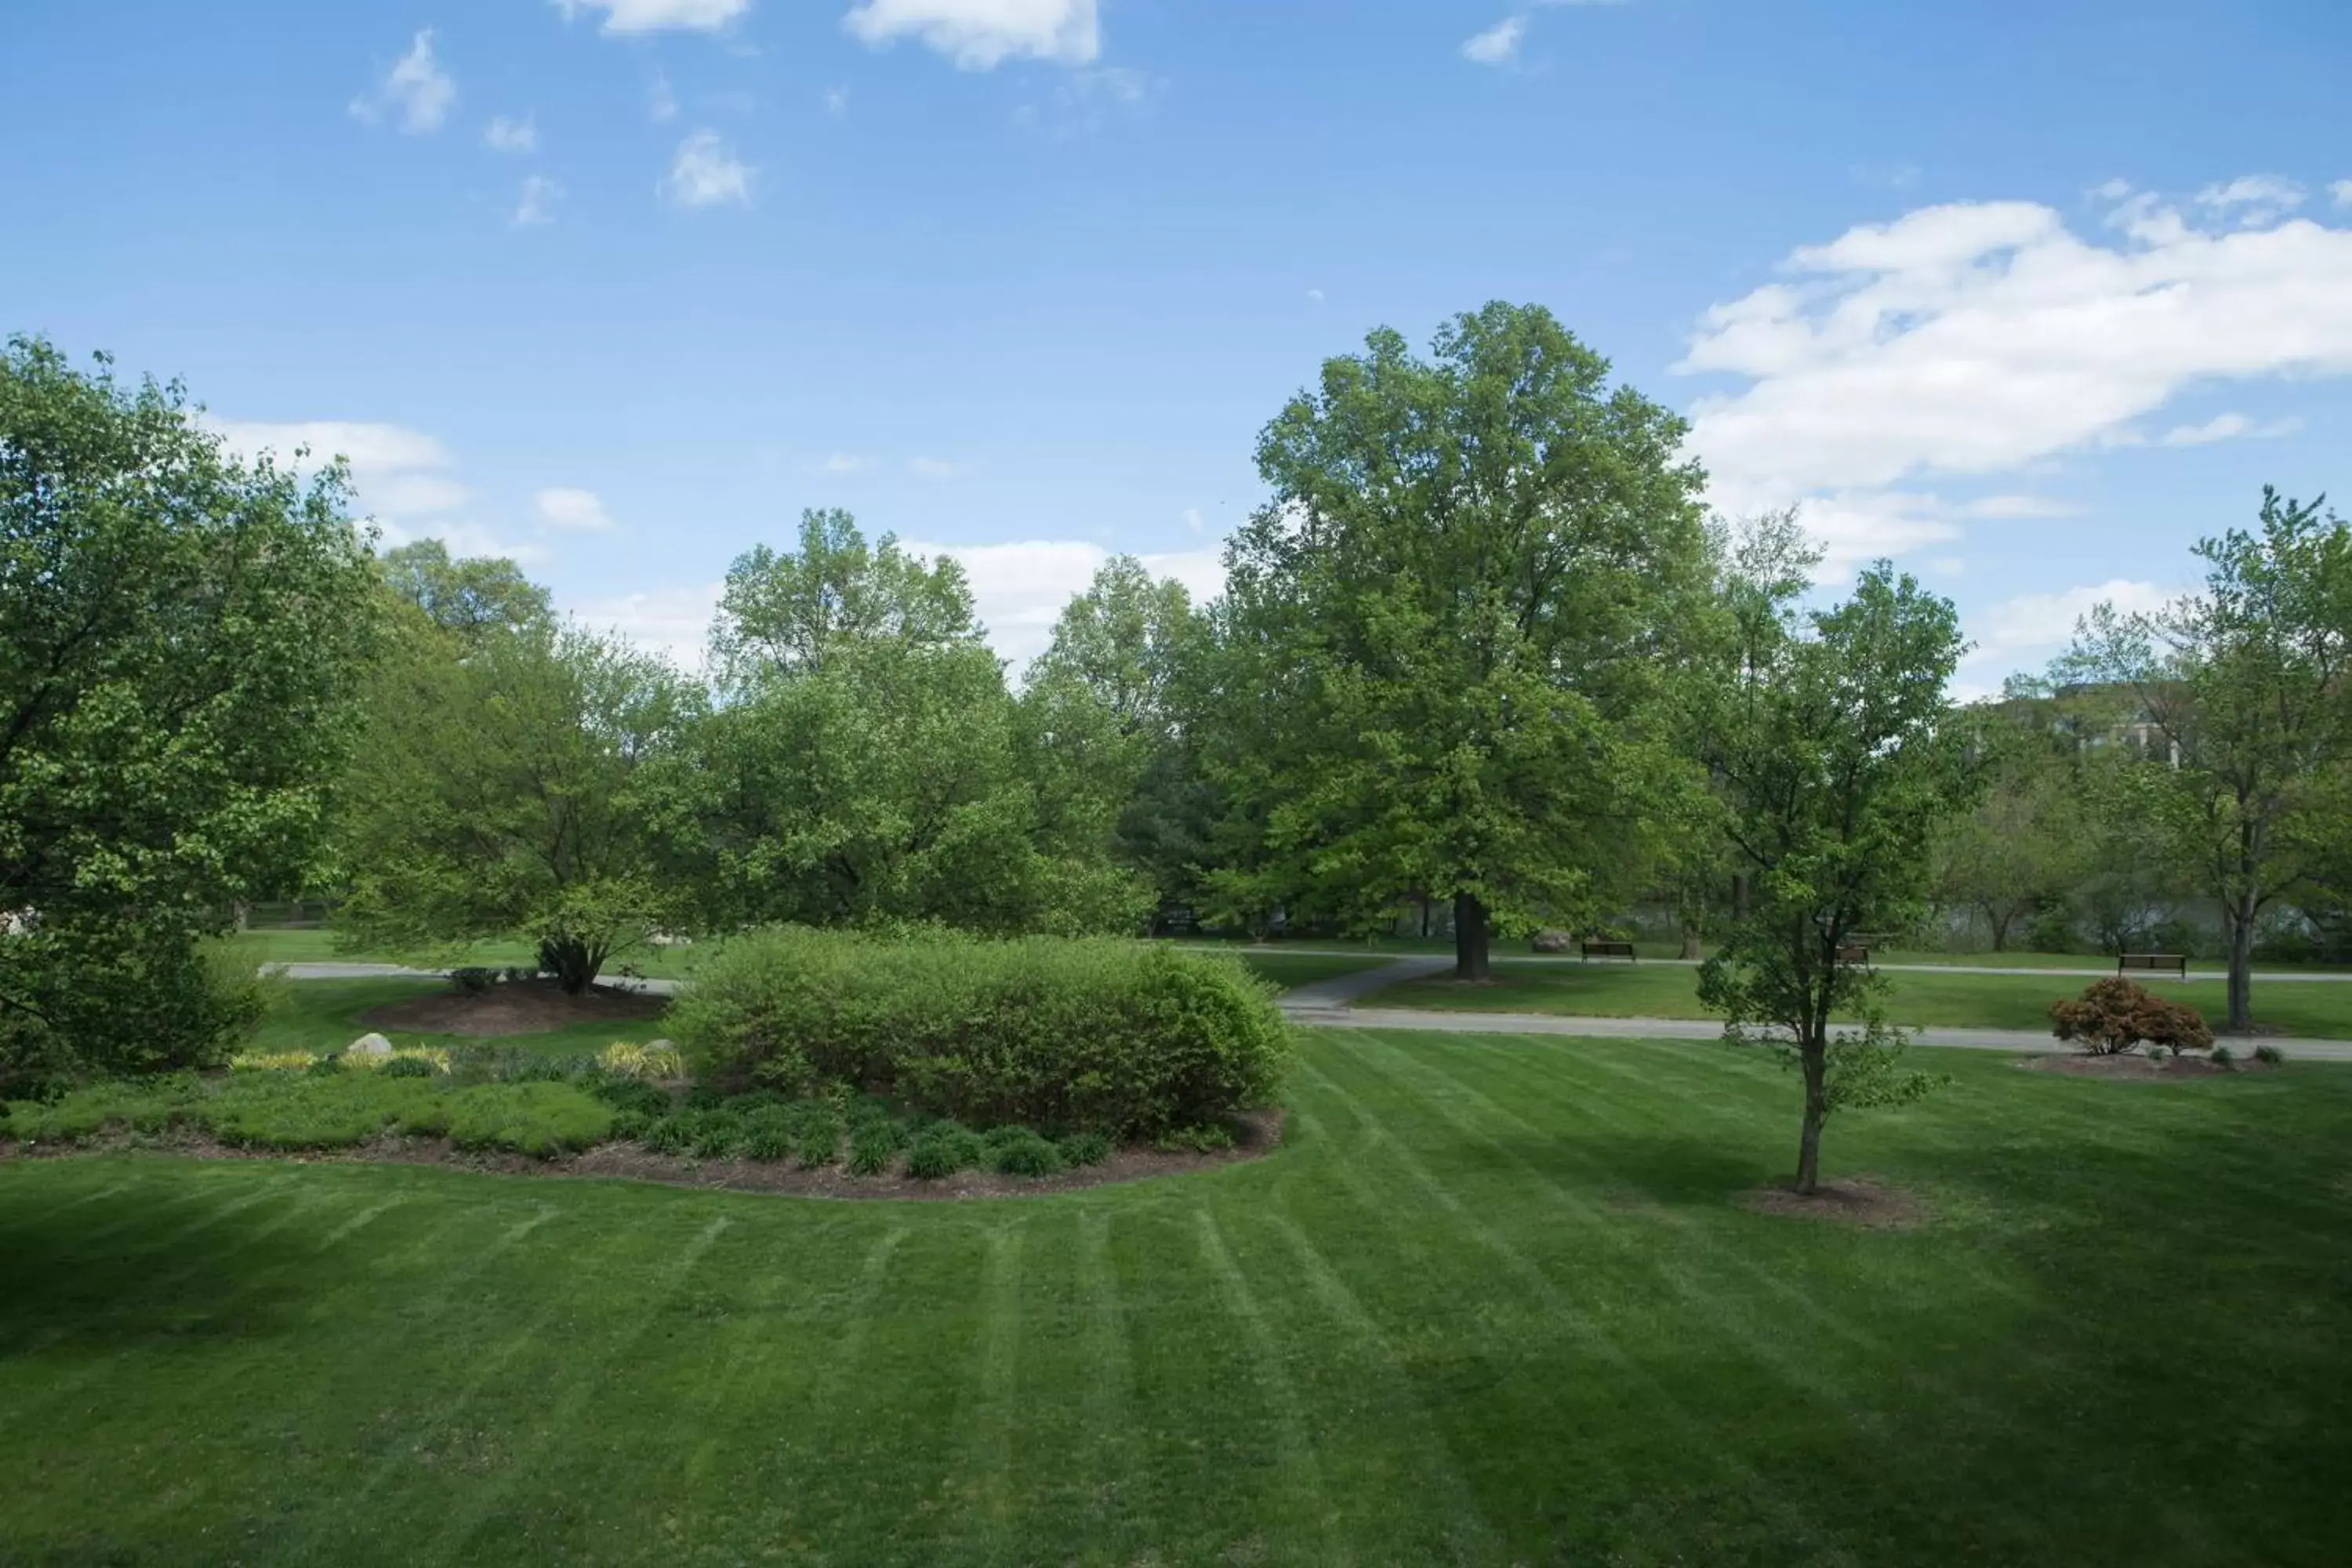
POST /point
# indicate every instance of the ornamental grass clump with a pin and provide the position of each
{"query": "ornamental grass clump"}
(2113, 1016)
(1126, 1038)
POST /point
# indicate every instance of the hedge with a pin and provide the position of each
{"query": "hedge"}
(1121, 1037)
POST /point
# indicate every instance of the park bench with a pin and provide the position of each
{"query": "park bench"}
(2176, 962)
(1593, 950)
(1854, 953)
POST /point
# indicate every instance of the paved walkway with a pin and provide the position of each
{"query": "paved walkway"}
(2209, 972)
(1329, 1003)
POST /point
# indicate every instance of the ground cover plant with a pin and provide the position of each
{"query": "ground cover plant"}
(1496, 1300)
(1120, 1037)
(2317, 1009)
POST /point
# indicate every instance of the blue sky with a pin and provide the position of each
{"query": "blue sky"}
(2027, 295)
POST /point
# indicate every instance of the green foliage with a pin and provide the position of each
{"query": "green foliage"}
(1024, 1155)
(2113, 1016)
(500, 793)
(2270, 1055)
(2223, 1057)
(1831, 744)
(1446, 637)
(300, 1110)
(472, 601)
(943, 1150)
(631, 1094)
(1120, 1037)
(1202, 1137)
(180, 648)
(407, 1067)
(1084, 1148)
(872, 1145)
(788, 614)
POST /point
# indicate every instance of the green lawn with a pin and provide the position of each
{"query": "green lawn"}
(324, 1015)
(2312, 1009)
(1289, 969)
(1493, 1303)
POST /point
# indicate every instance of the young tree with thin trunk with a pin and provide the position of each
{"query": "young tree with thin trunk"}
(1446, 634)
(1835, 754)
(2242, 687)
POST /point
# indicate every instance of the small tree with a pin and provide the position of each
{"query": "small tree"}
(2112, 1015)
(499, 794)
(1833, 747)
(2242, 687)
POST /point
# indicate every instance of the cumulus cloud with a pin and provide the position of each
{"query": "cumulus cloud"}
(415, 94)
(845, 463)
(1020, 589)
(572, 512)
(623, 16)
(672, 621)
(707, 172)
(2032, 629)
(978, 34)
(1499, 45)
(1975, 339)
(535, 205)
(2341, 192)
(2227, 428)
(504, 135)
(934, 469)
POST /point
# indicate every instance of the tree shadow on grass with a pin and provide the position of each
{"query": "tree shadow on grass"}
(101, 1276)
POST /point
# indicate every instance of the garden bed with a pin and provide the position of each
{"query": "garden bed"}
(1255, 1135)
(512, 1007)
(2137, 1068)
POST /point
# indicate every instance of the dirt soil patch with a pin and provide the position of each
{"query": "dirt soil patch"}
(2138, 1068)
(513, 1007)
(1258, 1133)
(1859, 1200)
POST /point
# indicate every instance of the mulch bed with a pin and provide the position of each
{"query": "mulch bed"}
(1259, 1133)
(513, 1007)
(2139, 1069)
(1858, 1200)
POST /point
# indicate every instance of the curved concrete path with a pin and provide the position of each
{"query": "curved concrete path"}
(1329, 1003)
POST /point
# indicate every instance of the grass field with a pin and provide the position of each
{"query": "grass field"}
(1493, 1302)
(1659, 952)
(290, 945)
(2312, 1009)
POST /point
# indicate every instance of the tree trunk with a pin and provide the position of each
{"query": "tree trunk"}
(2000, 924)
(1739, 898)
(2242, 965)
(1469, 937)
(571, 961)
(1690, 943)
(1815, 1056)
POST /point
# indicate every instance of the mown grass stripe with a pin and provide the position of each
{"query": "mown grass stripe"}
(1108, 1399)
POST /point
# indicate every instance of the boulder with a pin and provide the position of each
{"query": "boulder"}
(369, 1045)
(1552, 941)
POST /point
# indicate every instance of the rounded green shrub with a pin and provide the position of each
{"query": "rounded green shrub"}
(1027, 1155)
(871, 1146)
(1085, 1148)
(766, 1136)
(407, 1067)
(1128, 1039)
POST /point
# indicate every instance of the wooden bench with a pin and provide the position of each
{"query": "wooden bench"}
(1854, 953)
(1592, 950)
(2176, 962)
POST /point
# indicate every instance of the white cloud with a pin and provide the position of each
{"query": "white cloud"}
(2227, 428)
(535, 205)
(2009, 507)
(659, 16)
(1315, 295)
(2342, 193)
(572, 512)
(1020, 589)
(1193, 520)
(836, 102)
(934, 469)
(845, 463)
(2261, 197)
(979, 34)
(416, 91)
(1981, 338)
(2033, 628)
(506, 135)
(661, 98)
(400, 478)
(706, 173)
(1499, 45)
(673, 622)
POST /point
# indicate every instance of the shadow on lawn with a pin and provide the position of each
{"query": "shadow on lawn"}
(100, 1275)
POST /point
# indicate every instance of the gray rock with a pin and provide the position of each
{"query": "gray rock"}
(370, 1045)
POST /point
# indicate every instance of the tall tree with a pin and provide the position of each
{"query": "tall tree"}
(1457, 608)
(1829, 741)
(2243, 687)
(178, 649)
(469, 599)
(2023, 848)
(502, 793)
(783, 612)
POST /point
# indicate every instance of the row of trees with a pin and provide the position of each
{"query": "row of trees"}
(1482, 647)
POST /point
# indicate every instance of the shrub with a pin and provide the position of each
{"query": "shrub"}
(1026, 1155)
(472, 981)
(1206, 1138)
(327, 1063)
(933, 1158)
(871, 1144)
(627, 1095)
(2113, 1016)
(2224, 1058)
(2269, 1056)
(1085, 1148)
(671, 1135)
(407, 1067)
(627, 1059)
(820, 1137)
(1117, 1037)
(716, 1135)
(767, 1135)
(536, 1119)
